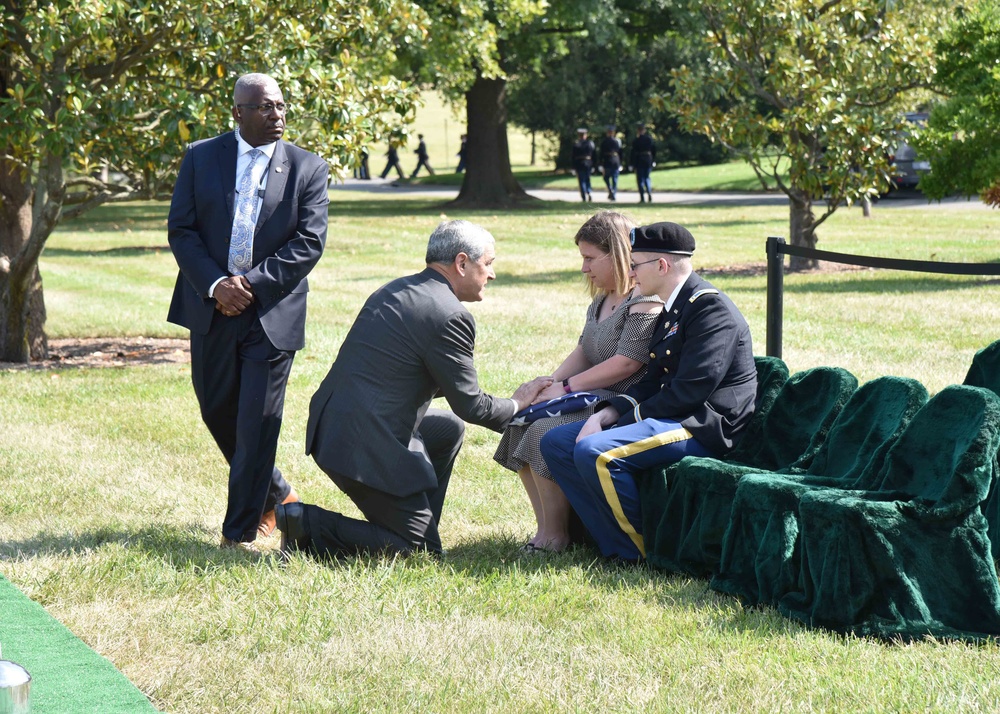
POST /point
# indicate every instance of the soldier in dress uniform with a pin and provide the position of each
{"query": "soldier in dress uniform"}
(696, 398)
(583, 162)
(643, 159)
(611, 161)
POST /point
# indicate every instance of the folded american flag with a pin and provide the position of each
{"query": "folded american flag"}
(566, 404)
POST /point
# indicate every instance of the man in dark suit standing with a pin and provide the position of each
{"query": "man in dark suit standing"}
(370, 426)
(247, 223)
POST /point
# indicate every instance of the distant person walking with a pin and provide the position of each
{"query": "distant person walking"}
(361, 170)
(643, 157)
(421, 153)
(611, 161)
(462, 154)
(392, 157)
(583, 162)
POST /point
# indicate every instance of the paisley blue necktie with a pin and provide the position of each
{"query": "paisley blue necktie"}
(241, 242)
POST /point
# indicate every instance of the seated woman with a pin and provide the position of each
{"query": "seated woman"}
(611, 356)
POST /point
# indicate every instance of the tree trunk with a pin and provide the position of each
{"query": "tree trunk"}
(489, 181)
(802, 227)
(22, 303)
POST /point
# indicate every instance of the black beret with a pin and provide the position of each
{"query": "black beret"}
(662, 238)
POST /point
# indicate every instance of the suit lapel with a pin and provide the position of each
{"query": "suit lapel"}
(227, 171)
(277, 175)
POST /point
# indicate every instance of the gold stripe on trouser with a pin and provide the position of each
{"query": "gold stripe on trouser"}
(620, 452)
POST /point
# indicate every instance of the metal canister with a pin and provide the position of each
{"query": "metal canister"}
(15, 683)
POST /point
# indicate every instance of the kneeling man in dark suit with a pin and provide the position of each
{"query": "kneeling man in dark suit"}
(371, 428)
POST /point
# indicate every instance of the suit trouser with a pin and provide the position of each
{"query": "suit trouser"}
(239, 378)
(597, 475)
(390, 165)
(395, 524)
(422, 162)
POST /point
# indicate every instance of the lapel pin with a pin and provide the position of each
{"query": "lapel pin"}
(277, 169)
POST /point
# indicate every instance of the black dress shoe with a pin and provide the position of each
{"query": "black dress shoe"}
(290, 519)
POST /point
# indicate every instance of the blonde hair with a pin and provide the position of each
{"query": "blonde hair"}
(608, 231)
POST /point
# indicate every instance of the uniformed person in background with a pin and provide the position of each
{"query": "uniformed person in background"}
(643, 158)
(611, 161)
(392, 161)
(583, 162)
(423, 158)
(696, 397)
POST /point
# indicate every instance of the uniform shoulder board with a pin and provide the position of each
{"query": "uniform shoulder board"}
(706, 291)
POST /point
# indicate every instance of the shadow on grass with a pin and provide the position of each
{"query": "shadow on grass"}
(888, 286)
(192, 545)
(395, 207)
(144, 215)
(120, 252)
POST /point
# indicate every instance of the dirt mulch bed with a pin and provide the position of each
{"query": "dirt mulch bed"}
(109, 352)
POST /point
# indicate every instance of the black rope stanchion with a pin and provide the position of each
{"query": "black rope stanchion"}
(777, 249)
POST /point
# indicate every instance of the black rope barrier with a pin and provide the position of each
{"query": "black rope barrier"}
(777, 248)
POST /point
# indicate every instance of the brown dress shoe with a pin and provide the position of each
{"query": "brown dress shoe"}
(268, 522)
(248, 546)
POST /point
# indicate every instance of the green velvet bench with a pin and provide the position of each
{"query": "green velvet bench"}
(911, 556)
(686, 524)
(760, 548)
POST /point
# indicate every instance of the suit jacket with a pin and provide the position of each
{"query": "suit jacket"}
(701, 371)
(288, 239)
(412, 339)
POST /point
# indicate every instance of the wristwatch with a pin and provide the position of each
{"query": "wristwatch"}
(565, 384)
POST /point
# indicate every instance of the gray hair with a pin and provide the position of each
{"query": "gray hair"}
(254, 79)
(453, 237)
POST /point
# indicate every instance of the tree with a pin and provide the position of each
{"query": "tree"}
(962, 138)
(811, 89)
(478, 45)
(608, 76)
(97, 101)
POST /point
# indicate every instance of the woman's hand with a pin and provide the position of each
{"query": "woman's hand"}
(524, 394)
(553, 391)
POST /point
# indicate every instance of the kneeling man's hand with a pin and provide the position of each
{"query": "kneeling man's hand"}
(597, 421)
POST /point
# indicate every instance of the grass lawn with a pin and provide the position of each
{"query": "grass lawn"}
(729, 176)
(113, 492)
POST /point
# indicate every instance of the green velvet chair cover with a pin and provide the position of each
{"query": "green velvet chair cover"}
(688, 536)
(772, 373)
(760, 549)
(985, 372)
(912, 557)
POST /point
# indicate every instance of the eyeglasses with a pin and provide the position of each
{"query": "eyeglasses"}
(633, 266)
(266, 108)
